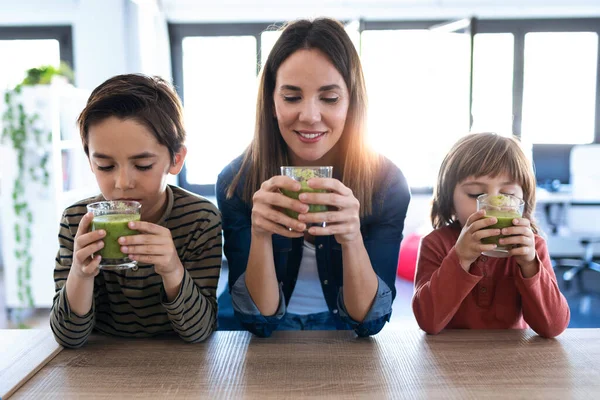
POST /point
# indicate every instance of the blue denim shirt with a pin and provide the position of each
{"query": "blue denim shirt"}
(381, 232)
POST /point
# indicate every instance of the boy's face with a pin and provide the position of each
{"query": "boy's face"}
(467, 191)
(129, 163)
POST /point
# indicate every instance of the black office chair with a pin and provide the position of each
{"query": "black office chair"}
(578, 266)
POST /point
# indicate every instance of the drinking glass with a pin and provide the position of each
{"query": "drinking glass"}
(505, 208)
(302, 175)
(113, 217)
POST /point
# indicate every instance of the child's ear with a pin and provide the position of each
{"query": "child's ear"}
(178, 162)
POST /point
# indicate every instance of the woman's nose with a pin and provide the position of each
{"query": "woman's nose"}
(310, 112)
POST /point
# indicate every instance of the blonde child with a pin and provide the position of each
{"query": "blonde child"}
(458, 287)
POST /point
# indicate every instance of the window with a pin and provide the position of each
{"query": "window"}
(219, 102)
(30, 47)
(493, 61)
(559, 90)
(532, 78)
(418, 86)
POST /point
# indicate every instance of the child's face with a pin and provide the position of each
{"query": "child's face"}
(129, 163)
(311, 102)
(466, 192)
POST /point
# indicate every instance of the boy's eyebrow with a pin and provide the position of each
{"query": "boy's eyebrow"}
(145, 154)
(321, 89)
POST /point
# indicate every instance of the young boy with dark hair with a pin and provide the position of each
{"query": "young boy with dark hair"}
(132, 132)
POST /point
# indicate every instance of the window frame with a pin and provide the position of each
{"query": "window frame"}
(62, 33)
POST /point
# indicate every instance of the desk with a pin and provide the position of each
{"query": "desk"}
(22, 354)
(547, 200)
(393, 364)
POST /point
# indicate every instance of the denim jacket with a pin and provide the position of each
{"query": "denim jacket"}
(381, 232)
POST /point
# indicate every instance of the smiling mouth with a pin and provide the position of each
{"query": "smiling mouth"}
(310, 136)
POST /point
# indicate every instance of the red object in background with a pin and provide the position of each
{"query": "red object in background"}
(407, 259)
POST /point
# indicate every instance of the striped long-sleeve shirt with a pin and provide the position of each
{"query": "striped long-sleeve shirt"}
(132, 302)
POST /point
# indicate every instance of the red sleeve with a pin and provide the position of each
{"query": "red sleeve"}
(545, 309)
(441, 284)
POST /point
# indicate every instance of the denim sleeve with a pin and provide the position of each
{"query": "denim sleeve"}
(237, 225)
(382, 240)
(246, 311)
(378, 315)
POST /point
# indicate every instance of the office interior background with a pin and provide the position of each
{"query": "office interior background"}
(435, 70)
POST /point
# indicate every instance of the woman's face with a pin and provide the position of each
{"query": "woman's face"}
(311, 103)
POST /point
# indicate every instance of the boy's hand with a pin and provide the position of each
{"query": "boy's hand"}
(87, 243)
(523, 246)
(468, 246)
(154, 246)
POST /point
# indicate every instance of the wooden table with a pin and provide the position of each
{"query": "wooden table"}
(22, 354)
(393, 364)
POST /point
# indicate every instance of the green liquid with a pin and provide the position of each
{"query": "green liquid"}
(505, 219)
(312, 208)
(115, 226)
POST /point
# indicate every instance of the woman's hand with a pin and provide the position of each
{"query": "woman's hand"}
(468, 246)
(154, 245)
(86, 244)
(343, 218)
(268, 205)
(522, 241)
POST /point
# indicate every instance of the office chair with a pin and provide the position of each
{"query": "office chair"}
(585, 186)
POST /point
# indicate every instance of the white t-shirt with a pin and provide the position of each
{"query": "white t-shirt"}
(307, 297)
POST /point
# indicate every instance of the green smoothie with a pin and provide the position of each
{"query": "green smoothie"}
(504, 218)
(303, 177)
(313, 208)
(115, 226)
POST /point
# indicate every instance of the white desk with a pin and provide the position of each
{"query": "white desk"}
(547, 202)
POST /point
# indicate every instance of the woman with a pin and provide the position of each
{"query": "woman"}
(311, 111)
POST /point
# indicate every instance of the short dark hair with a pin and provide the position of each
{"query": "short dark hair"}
(148, 100)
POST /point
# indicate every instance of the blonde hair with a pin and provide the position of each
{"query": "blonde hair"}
(476, 155)
(268, 151)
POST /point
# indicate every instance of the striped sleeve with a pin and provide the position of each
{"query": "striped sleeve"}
(193, 313)
(70, 329)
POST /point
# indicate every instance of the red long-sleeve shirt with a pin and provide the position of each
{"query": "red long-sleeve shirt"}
(492, 295)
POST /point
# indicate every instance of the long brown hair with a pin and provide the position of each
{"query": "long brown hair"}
(482, 154)
(268, 151)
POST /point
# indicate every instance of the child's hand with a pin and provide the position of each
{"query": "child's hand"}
(523, 243)
(468, 246)
(87, 243)
(154, 246)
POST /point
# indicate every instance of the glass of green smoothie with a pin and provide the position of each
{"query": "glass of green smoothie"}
(505, 208)
(113, 217)
(302, 175)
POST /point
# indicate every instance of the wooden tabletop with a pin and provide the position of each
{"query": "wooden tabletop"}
(393, 364)
(22, 354)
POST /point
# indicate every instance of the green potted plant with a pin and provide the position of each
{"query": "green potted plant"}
(21, 132)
